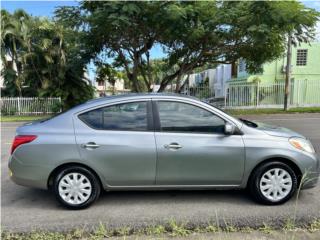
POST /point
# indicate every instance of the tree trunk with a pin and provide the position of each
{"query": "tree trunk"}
(288, 74)
(134, 74)
(167, 79)
(178, 83)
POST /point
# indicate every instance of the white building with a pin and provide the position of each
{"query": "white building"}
(1, 76)
(106, 88)
(8, 59)
(216, 78)
(222, 75)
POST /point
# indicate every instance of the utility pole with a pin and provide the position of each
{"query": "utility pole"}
(288, 74)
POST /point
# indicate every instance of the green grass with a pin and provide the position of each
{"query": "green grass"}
(169, 231)
(16, 118)
(272, 111)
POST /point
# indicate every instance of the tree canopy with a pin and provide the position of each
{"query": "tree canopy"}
(42, 58)
(48, 57)
(192, 34)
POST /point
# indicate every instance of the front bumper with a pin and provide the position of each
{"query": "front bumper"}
(311, 175)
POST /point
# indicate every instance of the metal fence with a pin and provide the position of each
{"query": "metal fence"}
(303, 93)
(26, 106)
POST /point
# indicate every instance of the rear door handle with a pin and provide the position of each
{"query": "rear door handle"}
(173, 146)
(90, 145)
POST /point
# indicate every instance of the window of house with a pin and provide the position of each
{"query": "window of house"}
(183, 117)
(121, 117)
(242, 65)
(302, 55)
(100, 83)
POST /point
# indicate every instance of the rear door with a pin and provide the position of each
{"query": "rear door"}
(119, 141)
(193, 149)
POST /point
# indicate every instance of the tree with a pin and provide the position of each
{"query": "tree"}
(42, 58)
(14, 29)
(192, 34)
(106, 72)
(123, 30)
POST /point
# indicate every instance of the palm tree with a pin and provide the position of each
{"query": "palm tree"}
(42, 58)
(12, 46)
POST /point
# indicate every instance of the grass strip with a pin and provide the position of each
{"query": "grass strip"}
(170, 230)
(272, 111)
(27, 118)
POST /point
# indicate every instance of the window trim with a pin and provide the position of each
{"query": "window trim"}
(150, 121)
(157, 123)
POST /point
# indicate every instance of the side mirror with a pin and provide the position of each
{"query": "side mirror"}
(229, 128)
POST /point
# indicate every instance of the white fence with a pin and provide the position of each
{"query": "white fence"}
(26, 106)
(303, 93)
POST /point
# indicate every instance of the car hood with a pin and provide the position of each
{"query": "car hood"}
(277, 130)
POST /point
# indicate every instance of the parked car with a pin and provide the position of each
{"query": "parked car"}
(159, 141)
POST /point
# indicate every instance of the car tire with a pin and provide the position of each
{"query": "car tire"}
(273, 183)
(76, 187)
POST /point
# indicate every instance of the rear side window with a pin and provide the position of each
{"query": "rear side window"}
(121, 117)
(183, 117)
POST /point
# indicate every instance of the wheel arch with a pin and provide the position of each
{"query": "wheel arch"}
(55, 171)
(284, 160)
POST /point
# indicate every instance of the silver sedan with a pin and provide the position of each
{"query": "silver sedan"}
(159, 141)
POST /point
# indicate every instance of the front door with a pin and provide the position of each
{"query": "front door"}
(193, 149)
(119, 141)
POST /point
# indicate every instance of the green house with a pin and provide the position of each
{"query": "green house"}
(305, 66)
(305, 76)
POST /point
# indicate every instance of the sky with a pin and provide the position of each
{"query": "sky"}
(46, 8)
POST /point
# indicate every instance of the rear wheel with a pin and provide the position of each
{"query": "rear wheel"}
(273, 183)
(76, 187)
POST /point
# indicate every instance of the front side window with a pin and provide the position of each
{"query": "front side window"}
(121, 117)
(183, 117)
(302, 55)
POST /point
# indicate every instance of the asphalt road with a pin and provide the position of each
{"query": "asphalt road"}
(25, 209)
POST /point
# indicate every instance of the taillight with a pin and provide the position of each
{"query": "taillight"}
(21, 139)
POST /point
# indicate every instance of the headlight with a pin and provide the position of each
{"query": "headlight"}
(301, 144)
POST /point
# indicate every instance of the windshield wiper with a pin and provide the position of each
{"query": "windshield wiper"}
(248, 123)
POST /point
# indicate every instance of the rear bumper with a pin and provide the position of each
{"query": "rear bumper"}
(29, 175)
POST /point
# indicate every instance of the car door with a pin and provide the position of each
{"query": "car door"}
(193, 149)
(119, 141)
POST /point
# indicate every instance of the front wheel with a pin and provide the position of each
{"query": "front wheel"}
(76, 187)
(273, 183)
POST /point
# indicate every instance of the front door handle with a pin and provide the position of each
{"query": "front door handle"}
(173, 146)
(90, 145)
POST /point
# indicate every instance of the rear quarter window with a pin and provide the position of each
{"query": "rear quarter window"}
(122, 117)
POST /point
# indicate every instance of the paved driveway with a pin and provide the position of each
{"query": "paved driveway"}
(24, 209)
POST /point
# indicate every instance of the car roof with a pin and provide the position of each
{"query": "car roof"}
(140, 95)
(130, 96)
